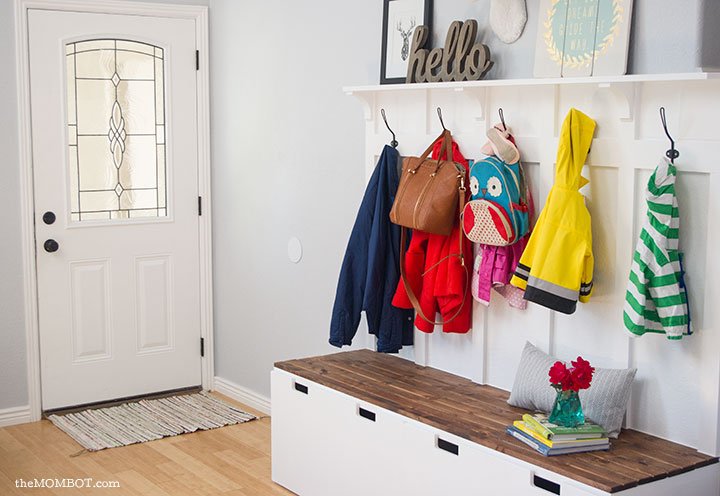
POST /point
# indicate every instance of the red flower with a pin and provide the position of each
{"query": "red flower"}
(560, 376)
(581, 374)
(576, 378)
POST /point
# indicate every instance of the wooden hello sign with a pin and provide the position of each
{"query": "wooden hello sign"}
(460, 60)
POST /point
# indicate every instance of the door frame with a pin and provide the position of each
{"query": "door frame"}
(27, 198)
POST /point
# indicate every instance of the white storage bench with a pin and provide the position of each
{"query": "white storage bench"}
(364, 423)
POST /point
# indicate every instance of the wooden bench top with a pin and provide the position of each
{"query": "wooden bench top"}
(480, 414)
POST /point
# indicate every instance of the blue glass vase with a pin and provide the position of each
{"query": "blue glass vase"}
(567, 410)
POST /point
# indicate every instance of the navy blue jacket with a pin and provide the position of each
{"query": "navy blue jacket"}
(371, 267)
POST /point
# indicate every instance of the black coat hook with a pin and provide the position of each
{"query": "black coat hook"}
(394, 142)
(502, 118)
(672, 153)
(439, 112)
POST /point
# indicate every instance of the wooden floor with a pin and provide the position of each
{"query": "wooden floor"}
(230, 461)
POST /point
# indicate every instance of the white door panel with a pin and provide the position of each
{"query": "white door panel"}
(114, 128)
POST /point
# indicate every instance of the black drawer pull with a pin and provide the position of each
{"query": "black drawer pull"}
(366, 414)
(448, 446)
(301, 387)
(549, 486)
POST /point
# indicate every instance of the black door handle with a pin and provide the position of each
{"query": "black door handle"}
(48, 217)
(51, 246)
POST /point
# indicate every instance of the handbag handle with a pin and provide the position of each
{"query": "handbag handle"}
(445, 150)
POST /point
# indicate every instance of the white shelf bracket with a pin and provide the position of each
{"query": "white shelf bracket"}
(624, 94)
(477, 96)
(368, 102)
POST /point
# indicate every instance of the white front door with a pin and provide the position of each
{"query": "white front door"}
(114, 133)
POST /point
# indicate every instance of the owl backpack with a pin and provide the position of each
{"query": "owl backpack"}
(498, 212)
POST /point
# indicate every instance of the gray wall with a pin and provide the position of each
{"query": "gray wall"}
(288, 158)
(13, 381)
(288, 154)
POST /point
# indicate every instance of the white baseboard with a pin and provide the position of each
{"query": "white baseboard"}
(14, 415)
(242, 394)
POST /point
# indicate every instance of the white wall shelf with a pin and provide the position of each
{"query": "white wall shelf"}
(485, 83)
(622, 87)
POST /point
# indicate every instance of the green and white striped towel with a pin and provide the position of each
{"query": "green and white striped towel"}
(656, 298)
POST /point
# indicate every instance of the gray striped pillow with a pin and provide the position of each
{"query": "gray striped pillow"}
(604, 402)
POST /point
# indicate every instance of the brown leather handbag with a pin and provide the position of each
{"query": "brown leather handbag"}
(431, 193)
(430, 196)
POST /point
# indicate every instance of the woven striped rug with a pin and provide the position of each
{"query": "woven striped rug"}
(147, 420)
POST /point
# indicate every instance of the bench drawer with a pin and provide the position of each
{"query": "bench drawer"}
(452, 465)
(306, 419)
(328, 443)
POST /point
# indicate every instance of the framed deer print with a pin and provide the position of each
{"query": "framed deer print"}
(400, 18)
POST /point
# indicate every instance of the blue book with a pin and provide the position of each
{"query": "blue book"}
(546, 450)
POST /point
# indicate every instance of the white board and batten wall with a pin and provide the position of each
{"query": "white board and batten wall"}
(675, 395)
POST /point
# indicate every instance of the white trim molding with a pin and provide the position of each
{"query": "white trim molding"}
(200, 15)
(242, 394)
(14, 415)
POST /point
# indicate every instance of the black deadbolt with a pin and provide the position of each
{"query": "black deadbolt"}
(51, 246)
(49, 218)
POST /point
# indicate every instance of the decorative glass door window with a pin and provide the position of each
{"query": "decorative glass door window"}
(116, 130)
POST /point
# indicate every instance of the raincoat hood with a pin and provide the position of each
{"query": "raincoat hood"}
(575, 140)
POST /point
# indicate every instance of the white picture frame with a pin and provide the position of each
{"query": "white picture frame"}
(583, 38)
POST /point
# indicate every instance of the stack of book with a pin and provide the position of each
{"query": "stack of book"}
(550, 439)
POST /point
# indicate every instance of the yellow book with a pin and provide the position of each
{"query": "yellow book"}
(519, 424)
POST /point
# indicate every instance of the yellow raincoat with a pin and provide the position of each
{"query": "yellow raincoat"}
(556, 268)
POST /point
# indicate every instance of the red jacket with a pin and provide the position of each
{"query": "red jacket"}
(443, 288)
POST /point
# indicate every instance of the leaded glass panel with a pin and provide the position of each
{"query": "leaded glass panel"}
(116, 130)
